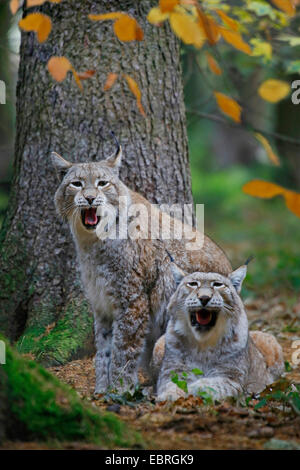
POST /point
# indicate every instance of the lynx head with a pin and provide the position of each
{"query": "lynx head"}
(87, 190)
(206, 304)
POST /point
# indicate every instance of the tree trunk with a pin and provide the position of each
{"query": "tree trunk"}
(42, 306)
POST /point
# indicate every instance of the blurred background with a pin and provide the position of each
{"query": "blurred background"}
(223, 158)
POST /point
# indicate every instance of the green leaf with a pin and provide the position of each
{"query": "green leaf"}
(260, 404)
(197, 371)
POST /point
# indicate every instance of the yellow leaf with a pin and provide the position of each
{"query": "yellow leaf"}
(213, 65)
(127, 28)
(134, 88)
(273, 90)
(34, 3)
(167, 5)
(261, 48)
(268, 190)
(187, 29)
(39, 23)
(236, 40)
(59, 67)
(111, 78)
(14, 6)
(155, 16)
(285, 5)
(115, 15)
(272, 156)
(232, 24)
(209, 27)
(229, 106)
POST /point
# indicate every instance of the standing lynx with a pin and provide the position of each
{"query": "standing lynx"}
(208, 331)
(127, 282)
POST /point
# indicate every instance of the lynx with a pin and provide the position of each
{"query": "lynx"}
(127, 282)
(208, 331)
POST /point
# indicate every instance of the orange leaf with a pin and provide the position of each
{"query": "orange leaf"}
(272, 156)
(167, 5)
(77, 79)
(209, 27)
(285, 5)
(292, 201)
(187, 29)
(232, 24)
(39, 23)
(14, 6)
(229, 106)
(127, 28)
(134, 88)
(115, 15)
(111, 78)
(33, 3)
(87, 74)
(59, 67)
(213, 64)
(236, 40)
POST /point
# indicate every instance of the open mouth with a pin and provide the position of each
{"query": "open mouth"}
(89, 218)
(203, 319)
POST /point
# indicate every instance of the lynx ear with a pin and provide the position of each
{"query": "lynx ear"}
(114, 161)
(60, 164)
(178, 274)
(238, 276)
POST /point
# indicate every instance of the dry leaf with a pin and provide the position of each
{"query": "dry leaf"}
(39, 23)
(111, 78)
(167, 5)
(87, 74)
(59, 67)
(14, 6)
(127, 28)
(236, 40)
(273, 90)
(272, 156)
(115, 15)
(134, 88)
(34, 3)
(232, 24)
(285, 5)
(155, 16)
(213, 64)
(187, 29)
(229, 106)
(209, 27)
(268, 190)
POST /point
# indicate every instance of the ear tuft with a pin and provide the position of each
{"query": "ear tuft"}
(60, 164)
(237, 277)
(114, 161)
(178, 274)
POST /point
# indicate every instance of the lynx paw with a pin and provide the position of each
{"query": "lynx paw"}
(171, 392)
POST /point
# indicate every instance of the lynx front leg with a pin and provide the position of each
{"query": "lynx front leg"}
(128, 343)
(218, 387)
(103, 339)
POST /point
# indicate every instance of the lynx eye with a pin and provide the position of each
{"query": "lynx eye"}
(217, 284)
(193, 284)
(76, 184)
(102, 183)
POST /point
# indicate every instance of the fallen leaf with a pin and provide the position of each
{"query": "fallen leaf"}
(285, 5)
(115, 15)
(155, 16)
(213, 64)
(14, 6)
(39, 23)
(273, 90)
(187, 29)
(167, 5)
(134, 88)
(232, 24)
(229, 106)
(87, 74)
(34, 3)
(111, 78)
(236, 40)
(59, 67)
(272, 156)
(127, 29)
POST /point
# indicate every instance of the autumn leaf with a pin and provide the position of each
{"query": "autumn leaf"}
(111, 78)
(34, 3)
(266, 190)
(213, 65)
(232, 24)
(167, 5)
(272, 156)
(236, 40)
(87, 74)
(127, 28)
(209, 27)
(229, 106)
(285, 5)
(187, 29)
(39, 23)
(273, 90)
(134, 88)
(59, 67)
(115, 15)
(14, 6)
(155, 16)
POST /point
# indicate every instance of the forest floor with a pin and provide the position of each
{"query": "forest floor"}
(191, 424)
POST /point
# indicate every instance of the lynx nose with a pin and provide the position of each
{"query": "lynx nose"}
(204, 299)
(90, 199)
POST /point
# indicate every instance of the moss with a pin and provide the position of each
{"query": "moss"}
(60, 342)
(43, 408)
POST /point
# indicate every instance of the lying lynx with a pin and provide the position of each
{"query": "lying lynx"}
(208, 331)
(128, 282)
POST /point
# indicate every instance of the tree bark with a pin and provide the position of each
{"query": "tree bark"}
(41, 303)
